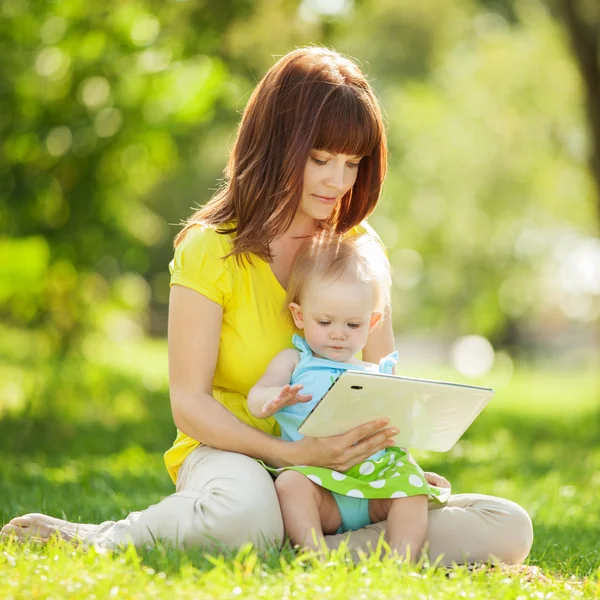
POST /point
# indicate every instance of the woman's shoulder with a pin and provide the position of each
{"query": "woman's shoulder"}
(204, 238)
(199, 262)
(364, 228)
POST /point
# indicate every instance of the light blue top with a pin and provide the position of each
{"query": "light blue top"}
(317, 375)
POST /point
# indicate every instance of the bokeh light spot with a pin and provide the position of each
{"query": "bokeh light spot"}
(145, 30)
(95, 91)
(472, 355)
(108, 121)
(59, 140)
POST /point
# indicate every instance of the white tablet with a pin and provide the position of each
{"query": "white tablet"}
(431, 415)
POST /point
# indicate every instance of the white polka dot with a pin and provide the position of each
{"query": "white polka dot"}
(355, 494)
(315, 479)
(391, 459)
(338, 476)
(377, 484)
(399, 464)
(415, 481)
(395, 475)
(399, 495)
(366, 468)
(383, 470)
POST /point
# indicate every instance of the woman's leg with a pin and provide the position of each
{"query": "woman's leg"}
(468, 528)
(223, 500)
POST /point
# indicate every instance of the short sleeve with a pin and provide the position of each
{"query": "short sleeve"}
(199, 264)
(387, 363)
(365, 229)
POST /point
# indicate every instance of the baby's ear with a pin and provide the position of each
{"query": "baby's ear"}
(296, 311)
(376, 318)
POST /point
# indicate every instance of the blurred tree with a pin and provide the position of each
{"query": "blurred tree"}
(487, 174)
(115, 119)
(100, 105)
(581, 21)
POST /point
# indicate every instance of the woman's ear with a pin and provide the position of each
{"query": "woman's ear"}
(376, 318)
(296, 311)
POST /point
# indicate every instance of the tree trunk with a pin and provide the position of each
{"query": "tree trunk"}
(584, 32)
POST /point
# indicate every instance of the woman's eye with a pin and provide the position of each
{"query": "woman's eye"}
(354, 165)
(318, 162)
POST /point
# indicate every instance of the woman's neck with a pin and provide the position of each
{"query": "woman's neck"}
(292, 238)
(285, 246)
(301, 227)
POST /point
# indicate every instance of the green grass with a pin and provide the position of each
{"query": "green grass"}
(84, 441)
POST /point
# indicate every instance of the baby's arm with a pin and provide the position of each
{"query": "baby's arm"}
(272, 391)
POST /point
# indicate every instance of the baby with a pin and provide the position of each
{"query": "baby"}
(337, 294)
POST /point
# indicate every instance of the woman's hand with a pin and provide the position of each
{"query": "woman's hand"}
(437, 480)
(340, 452)
(289, 395)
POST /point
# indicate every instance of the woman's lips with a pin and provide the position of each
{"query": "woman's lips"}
(325, 199)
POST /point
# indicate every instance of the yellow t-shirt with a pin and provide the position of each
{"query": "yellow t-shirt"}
(254, 327)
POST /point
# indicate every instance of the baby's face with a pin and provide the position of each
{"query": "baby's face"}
(336, 318)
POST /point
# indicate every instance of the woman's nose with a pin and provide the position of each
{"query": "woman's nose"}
(335, 177)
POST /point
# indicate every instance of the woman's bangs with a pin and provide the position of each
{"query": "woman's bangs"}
(348, 124)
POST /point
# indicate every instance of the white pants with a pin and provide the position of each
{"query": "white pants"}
(224, 500)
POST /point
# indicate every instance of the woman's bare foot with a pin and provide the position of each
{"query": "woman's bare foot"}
(40, 528)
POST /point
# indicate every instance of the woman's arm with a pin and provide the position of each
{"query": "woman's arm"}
(194, 333)
(380, 341)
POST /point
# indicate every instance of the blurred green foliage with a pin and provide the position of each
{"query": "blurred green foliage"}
(116, 119)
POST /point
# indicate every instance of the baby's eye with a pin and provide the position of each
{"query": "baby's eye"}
(323, 323)
(354, 325)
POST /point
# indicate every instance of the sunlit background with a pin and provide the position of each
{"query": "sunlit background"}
(116, 119)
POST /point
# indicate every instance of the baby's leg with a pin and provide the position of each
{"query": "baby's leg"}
(406, 523)
(308, 509)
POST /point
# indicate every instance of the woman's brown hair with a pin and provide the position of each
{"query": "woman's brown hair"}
(311, 98)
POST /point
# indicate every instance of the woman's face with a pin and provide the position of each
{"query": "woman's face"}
(327, 178)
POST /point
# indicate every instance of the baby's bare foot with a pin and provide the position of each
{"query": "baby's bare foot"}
(41, 528)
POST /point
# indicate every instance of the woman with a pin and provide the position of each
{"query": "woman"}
(310, 154)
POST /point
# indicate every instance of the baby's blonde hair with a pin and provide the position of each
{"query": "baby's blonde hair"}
(330, 257)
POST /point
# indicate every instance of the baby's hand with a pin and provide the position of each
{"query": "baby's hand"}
(288, 395)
